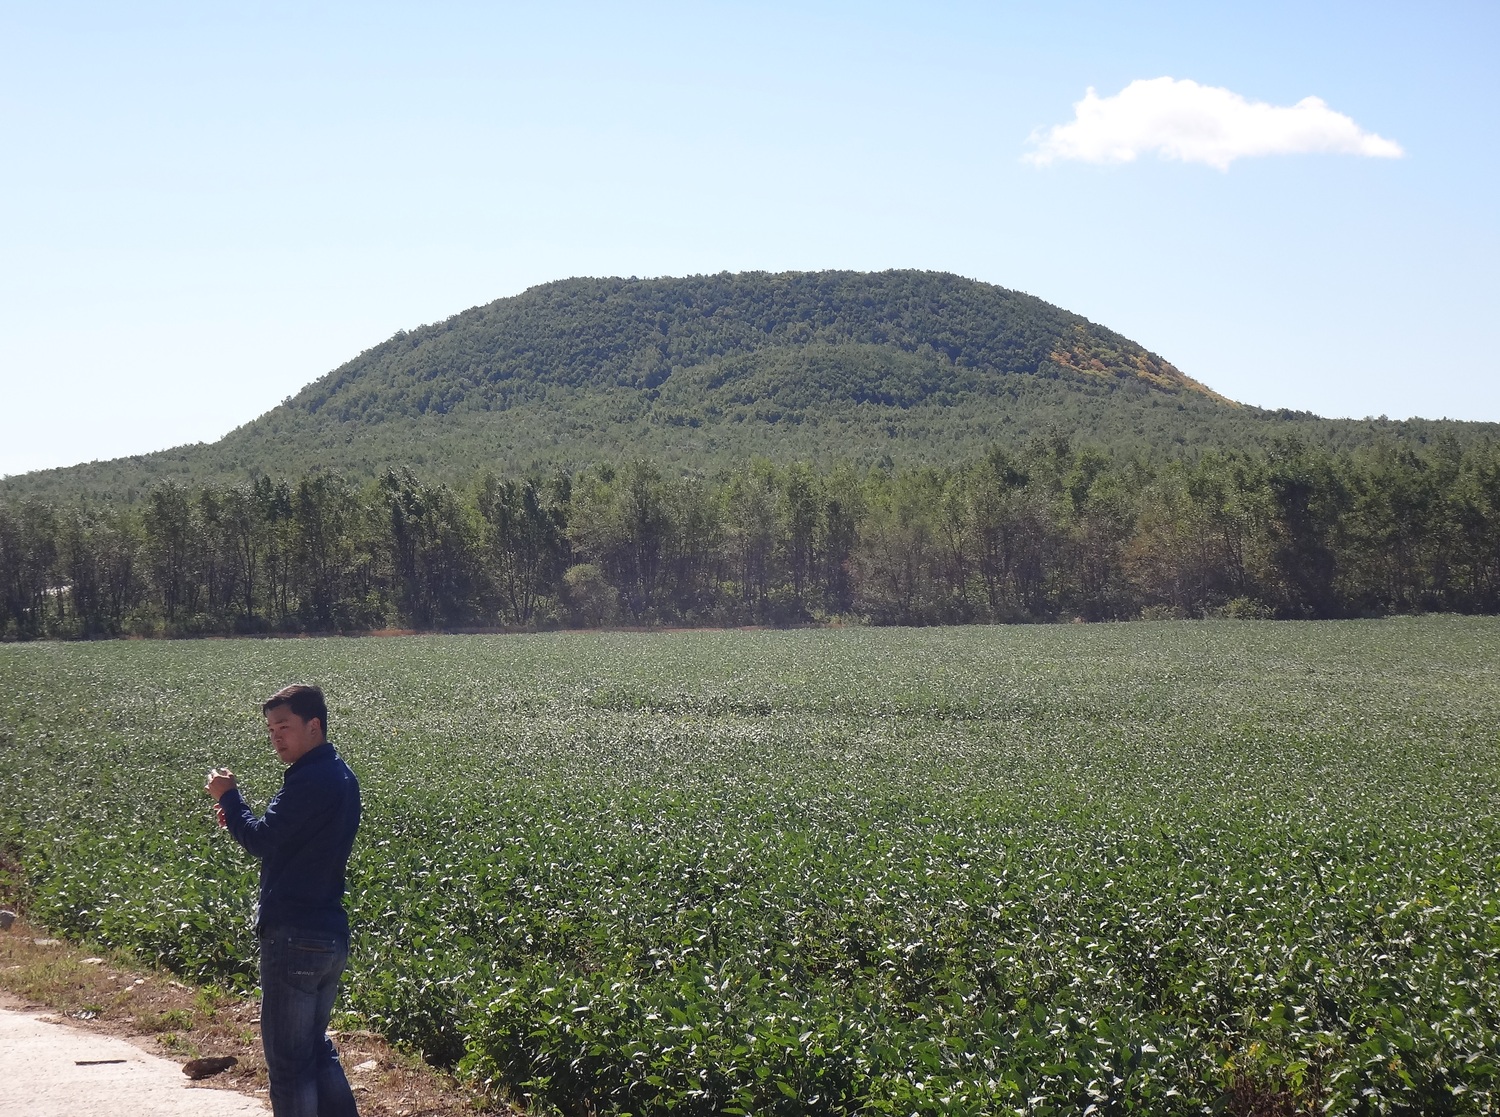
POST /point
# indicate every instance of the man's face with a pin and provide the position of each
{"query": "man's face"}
(291, 737)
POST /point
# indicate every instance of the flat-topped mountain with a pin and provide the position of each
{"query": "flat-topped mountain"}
(899, 366)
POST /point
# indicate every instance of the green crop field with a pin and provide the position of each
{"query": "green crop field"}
(1141, 868)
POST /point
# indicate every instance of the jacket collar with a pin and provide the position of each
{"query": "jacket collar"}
(315, 755)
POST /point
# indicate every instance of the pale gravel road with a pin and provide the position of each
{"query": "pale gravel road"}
(40, 1076)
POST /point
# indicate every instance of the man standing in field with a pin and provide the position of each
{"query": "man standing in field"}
(303, 842)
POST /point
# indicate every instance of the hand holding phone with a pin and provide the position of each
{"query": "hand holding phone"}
(220, 780)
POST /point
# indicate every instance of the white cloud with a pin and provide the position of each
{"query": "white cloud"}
(1200, 124)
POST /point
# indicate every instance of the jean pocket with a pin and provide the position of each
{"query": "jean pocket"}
(310, 964)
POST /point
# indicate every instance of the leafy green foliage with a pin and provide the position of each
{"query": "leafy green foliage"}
(1050, 532)
(1152, 868)
(697, 374)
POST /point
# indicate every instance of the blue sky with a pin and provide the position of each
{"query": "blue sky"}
(207, 206)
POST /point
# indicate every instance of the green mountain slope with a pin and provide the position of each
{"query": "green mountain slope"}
(899, 366)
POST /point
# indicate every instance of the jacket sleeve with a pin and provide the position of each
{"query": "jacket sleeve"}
(288, 816)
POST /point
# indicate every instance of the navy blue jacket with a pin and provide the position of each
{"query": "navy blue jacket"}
(303, 843)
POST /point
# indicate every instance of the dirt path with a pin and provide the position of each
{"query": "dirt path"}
(66, 1013)
(48, 1069)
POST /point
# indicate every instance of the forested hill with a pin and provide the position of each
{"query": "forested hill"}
(763, 333)
(900, 367)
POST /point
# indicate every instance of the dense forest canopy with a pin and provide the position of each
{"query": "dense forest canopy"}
(1052, 532)
(702, 374)
(903, 447)
(640, 333)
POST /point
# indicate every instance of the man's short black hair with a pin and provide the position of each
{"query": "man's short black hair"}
(304, 701)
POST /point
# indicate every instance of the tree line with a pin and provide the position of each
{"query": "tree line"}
(1049, 532)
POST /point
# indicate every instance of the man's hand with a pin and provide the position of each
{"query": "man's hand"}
(220, 780)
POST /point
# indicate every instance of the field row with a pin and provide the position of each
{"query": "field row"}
(1155, 868)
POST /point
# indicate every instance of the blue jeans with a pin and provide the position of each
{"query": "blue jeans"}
(299, 978)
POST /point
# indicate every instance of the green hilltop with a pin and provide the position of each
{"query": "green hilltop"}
(896, 367)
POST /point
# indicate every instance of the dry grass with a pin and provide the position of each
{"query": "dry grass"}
(107, 992)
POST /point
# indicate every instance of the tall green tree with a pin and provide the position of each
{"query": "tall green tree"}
(28, 552)
(434, 546)
(173, 548)
(749, 502)
(622, 522)
(1306, 496)
(330, 550)
(97, 554)
(523, 546)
